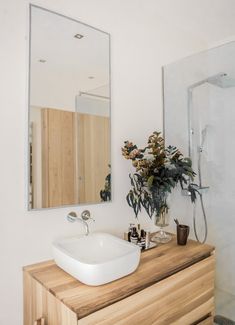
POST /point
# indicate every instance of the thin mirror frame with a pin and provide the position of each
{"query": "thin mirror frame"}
(31, 6)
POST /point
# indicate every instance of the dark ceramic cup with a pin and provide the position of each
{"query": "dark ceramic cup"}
(182, 234)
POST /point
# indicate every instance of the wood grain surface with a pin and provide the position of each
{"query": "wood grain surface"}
(181, 299)
(155, 265)
(58, 158)
(94, 155)
(207, 321)
(43, 308)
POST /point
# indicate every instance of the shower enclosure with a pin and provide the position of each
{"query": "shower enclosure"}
(199, 118)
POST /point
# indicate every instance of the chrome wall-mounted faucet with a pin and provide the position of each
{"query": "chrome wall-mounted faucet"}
(85, 216)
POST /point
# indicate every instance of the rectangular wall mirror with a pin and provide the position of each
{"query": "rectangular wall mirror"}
(69, 112)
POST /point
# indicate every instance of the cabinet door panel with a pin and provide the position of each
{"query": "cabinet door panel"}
(181, 299)
(42, 308)
(207, 321)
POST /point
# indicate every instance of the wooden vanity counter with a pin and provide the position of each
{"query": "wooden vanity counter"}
(169, 274)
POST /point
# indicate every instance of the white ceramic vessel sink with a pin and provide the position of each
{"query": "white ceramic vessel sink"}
(96, 259)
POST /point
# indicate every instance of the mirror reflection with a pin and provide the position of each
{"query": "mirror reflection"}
(69, 112)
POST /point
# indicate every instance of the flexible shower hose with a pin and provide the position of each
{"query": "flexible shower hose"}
(201, 201)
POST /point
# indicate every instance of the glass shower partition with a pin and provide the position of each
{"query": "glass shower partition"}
(199, 118)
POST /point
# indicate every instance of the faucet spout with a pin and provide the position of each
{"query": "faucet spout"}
(85, 224)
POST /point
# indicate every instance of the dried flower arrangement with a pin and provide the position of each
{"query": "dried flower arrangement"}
(158, 171)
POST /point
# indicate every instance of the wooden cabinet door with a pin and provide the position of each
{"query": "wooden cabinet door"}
(42, 308)
(207, 321)
(184, 298)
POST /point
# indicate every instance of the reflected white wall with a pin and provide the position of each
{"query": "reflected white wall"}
(93, 106)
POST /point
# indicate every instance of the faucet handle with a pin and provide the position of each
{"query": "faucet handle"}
(72, 216)
(86, 215)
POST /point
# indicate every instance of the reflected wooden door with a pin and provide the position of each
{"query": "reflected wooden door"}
(58, 158)
(93, 155)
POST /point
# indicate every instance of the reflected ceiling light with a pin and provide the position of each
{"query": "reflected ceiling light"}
(78, 36)
(42, 60)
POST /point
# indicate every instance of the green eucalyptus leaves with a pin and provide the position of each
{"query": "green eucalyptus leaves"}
(158, 171)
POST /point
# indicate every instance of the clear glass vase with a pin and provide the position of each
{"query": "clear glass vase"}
(162, 220)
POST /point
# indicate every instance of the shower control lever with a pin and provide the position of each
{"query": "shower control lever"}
(200, 190)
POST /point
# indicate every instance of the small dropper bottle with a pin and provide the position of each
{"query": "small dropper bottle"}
(134, 236)
(130, 231)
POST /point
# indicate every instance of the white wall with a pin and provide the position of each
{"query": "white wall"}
(142, 41)
(93, 106)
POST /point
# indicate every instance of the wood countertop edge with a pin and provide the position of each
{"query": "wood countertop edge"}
(83, 312)
(136, 290)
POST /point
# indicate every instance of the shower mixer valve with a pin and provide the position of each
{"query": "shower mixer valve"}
(200, 190)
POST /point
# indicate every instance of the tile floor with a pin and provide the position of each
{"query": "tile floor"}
(225, 304)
